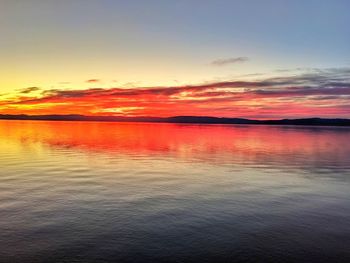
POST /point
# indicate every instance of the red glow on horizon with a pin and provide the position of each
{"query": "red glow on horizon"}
(265, 99)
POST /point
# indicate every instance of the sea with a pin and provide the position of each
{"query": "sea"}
(156, 192)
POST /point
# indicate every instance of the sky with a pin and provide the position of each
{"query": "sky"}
(239, 58)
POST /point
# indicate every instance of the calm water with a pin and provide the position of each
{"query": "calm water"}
(121, 192)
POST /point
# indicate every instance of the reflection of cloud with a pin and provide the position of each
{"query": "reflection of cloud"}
(227, 61)
(323, 93)
(250, 145)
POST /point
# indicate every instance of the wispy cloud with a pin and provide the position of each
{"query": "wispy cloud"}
(29, 90)
(92, 80)
(227, 61)
(318, 93)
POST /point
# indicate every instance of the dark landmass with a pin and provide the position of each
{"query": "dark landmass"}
(182, 119)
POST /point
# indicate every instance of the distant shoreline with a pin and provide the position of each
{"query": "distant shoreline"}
(182, 119)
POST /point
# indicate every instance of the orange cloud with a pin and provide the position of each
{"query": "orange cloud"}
(323, 94)
(93, 80)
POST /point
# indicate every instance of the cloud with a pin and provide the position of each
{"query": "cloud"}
(92, 80)
(227, 61)
(29, 90)
(316, 93)
(301, 85)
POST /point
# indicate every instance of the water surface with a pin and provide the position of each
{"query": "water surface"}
(138, 192)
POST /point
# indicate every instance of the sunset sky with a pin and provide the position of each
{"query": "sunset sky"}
(253, 59)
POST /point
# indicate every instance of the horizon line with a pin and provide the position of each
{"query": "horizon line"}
(310, 121)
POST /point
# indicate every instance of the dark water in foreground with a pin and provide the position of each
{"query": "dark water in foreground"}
(121, 192)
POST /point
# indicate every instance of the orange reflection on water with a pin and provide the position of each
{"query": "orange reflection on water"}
(247, 143)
